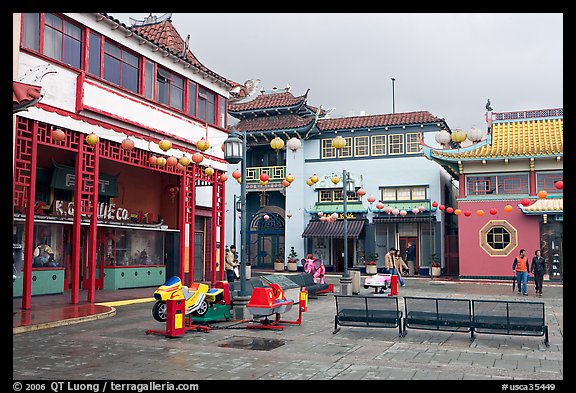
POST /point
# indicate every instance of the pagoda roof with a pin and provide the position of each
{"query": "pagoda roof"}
(370, 121)
(264, 101)
(25, 95)
(164, 35)
(512, 137)
(280, 122)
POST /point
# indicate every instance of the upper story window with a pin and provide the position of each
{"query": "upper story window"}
(335, 195)
(327, 150)
(169, 89)
(516, 183)
(547, 181)
(206, 105)
(412, 143)
(61, 41)
(361, 146)
(409, 193)
(120, 67)
(396, 144)
(378, 145)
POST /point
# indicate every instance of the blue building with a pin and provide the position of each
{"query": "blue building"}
(392, 186)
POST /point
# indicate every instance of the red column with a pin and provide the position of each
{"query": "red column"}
(462, 186)
(532, 180)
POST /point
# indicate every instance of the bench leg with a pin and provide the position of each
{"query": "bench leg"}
(472, 337)
(546, 341)
(336, 328)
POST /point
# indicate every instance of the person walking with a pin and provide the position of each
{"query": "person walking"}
(230, 263)
(411, 258)
(537, 269)
(399, 266)
(520, 266)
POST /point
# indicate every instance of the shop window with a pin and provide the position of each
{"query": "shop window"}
(498, 238)
(136, 247)
(48, 246)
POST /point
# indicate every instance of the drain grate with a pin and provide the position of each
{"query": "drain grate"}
(253, 343)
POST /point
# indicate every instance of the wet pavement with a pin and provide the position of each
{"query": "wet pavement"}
(111, 342)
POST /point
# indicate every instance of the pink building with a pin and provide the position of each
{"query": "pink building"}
(510, 191)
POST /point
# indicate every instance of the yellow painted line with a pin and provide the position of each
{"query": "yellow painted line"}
(125, 302)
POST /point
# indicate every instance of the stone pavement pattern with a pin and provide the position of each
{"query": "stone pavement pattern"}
(117, 348)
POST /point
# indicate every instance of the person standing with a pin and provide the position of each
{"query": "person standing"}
(520, 266)
(537, 269)
(230, 263)
(411, 258)
(389, 260)
(399, 266)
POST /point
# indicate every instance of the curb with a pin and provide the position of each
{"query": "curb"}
(64, 322)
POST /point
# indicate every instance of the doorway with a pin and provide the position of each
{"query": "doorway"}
(403, 245)
(338, 248)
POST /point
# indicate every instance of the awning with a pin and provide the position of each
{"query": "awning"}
(394, 219)
(334, 229)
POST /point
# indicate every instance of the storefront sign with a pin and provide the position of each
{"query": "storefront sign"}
(106, 211)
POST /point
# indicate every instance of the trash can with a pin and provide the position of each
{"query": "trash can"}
(355, 276)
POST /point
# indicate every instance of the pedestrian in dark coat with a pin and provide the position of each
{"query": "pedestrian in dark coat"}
(537, 269)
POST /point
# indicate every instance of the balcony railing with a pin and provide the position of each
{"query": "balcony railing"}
(275, 173)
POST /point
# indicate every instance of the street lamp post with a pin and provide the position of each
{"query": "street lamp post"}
(235, 152)
(346, 280)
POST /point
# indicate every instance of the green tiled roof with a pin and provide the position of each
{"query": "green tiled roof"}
(351, 207)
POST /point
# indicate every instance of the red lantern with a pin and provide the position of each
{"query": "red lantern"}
(236, 174)
(480, 213)
(493, 211)
(152, 159)
(441, 207)
(379, 206)
(171, 161)
(542, 194)
(467, 213)
(559, 184)
(449, 210)
(457, 212)
(434, 204)
(266, 217)
(371, 199)
(289, 215)
(361, 192)
(127, 144)
(223, 177)
(508, 208)
(264, 176)
(285, 183)
(525, 202)
(180, 167)
(58, 135)
(197, 158)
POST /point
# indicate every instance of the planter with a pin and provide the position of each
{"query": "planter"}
(371, 269)
(436, 271)
(293, 265)
(278, 266)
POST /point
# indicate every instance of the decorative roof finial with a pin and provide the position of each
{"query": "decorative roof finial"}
(488, 107)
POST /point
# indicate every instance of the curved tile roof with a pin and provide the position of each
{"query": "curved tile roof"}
(266, 101)
(282, 122)
(378, 120)
(546, 205)
(528, 138)
(25, 95)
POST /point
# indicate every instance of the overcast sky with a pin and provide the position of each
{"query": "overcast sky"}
(446, 63)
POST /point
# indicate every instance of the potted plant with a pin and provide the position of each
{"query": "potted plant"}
(279, 263)
(436, 269)
(292, 260)
(371, 263)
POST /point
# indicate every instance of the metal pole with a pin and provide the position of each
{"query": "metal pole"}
(393, 105)
(235, 214)
(345, 197)
(243, 225)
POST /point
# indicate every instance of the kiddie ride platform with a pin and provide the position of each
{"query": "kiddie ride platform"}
(179, 306)
(271, 302)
